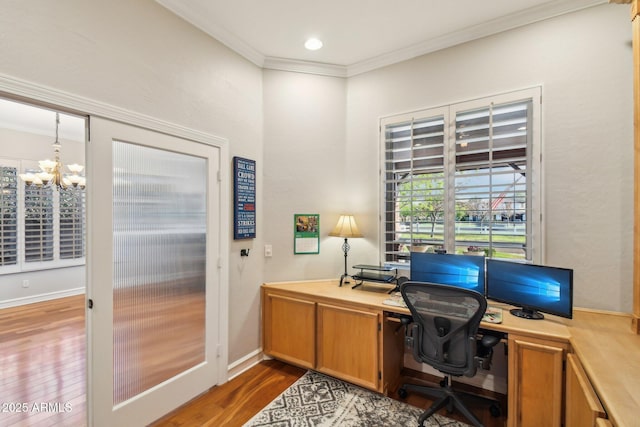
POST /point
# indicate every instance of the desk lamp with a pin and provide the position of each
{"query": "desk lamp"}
(346, 228)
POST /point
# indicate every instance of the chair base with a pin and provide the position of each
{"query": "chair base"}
(446, 397)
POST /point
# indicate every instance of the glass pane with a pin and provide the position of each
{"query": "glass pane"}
(9, 218)
(159, 227)
(72, 202)
(490, 180)
(414, 187)
(38, 223)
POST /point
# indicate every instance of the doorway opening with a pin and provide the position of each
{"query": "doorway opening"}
(42, 264)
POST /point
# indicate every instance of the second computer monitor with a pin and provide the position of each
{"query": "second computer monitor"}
(465, 271)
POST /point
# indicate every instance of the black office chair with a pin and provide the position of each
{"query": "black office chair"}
(443, 333)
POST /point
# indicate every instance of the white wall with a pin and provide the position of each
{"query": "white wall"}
(321, 145)
(306, 172)
(584, 63)
(138, 56)
(44, 284)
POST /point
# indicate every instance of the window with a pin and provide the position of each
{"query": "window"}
(38, 224)
(464, 178)
(9, 220)
(41, 227)
(72, 224)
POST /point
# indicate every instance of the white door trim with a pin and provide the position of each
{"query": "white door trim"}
(40, 94)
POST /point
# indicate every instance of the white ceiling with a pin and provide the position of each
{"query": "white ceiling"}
(358, 35)
(28, 118)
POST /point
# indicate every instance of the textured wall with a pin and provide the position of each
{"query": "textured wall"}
(138, 56)
(583, 62)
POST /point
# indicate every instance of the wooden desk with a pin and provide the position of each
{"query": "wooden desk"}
(610, 355)
(350, 334)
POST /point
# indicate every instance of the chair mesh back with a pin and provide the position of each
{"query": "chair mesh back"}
(447, 321)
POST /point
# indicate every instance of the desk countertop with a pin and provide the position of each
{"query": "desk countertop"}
(610, 354)
(608, 350)
(372, 295)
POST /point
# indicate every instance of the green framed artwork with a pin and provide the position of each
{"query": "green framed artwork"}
(306, 234)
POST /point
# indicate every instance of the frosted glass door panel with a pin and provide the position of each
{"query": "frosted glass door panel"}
(159, 269)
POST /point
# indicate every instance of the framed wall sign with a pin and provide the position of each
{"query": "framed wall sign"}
(244, 198)
(306, 234)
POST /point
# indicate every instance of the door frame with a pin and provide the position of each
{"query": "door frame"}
(37, 94)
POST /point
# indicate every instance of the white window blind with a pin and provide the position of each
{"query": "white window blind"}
(71, 223)
(9, 216)
(491, 192)
(40, 227)
(38, 224)
(458, 178)
(414, 184)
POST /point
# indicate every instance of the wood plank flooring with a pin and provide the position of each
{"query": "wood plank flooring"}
(43, 364)
(42, 361)
(234, 403)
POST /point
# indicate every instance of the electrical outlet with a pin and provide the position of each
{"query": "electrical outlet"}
(268, 251)
(25, 283)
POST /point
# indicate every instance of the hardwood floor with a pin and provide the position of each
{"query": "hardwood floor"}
(235, 402)
(42, 360)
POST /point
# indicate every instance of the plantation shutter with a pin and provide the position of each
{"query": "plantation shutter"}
(464, 178)
(72, 230)
(38, 224)
(490, 177)
(9, 216)
(414, 185)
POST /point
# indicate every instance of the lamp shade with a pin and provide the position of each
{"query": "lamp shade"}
(346, 227)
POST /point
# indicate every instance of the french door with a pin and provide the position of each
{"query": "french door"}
(153, 276)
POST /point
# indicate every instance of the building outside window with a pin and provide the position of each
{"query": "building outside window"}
(464, 178)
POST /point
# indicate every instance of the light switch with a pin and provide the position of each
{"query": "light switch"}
(268, 251)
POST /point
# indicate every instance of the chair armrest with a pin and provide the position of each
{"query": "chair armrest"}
(489, 341)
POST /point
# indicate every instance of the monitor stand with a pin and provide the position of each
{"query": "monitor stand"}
(527, 313)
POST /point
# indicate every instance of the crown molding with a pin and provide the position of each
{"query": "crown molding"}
(309, 67)
(195, 18)
(515, 20)
(529, 16)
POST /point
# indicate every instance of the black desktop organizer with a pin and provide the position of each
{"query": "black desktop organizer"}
(376, 273)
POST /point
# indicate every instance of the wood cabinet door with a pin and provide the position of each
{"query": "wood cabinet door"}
(582, 406)
(348, 344)
(535, 383)
(289, 329)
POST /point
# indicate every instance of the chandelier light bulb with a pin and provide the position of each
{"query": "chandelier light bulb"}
(47, 165)
(45, 177)
(52, 170)
(75, 168)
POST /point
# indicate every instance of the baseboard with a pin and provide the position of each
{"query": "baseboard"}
(41, 297)
(245, 363)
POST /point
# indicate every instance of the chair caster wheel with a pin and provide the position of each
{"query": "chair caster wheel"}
(495, 410)
(402, 393)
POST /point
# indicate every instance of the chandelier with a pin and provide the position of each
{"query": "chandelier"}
(52, 171)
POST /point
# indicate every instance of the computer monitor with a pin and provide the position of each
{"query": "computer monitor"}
(532, 288)
(464, 271)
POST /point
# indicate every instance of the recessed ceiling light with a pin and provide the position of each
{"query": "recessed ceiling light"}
(313, 44)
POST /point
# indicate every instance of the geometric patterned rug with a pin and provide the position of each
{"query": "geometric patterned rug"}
(318, 400)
